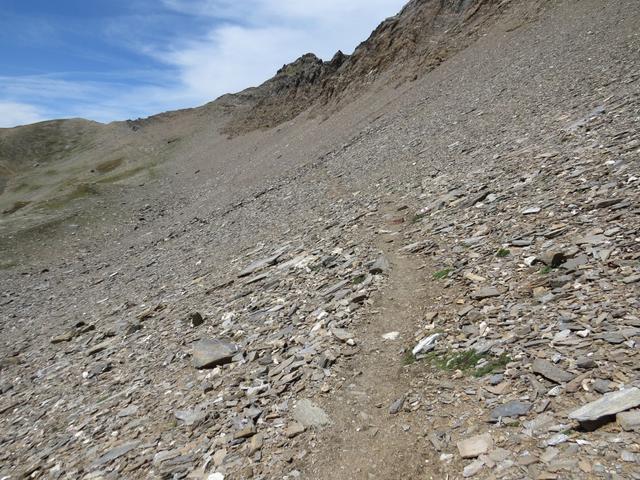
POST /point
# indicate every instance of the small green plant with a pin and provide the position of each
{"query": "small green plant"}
(441, 274)
(82, 190)
(467, 360)
(503, 252)
(546, 270)
(7, 264)
(124, 175)
(416, 218)
(493, 364)
(358, 279)
(16, 206)
(109, 165)
(408, 358)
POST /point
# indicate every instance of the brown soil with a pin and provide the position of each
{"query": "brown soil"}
(366, 441)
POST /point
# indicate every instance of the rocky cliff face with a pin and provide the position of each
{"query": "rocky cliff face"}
(423, 35)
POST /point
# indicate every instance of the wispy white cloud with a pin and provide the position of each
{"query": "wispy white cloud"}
(258, 36)
(14, 113)
(246, 43)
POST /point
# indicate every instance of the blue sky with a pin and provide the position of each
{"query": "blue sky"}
(116, 59)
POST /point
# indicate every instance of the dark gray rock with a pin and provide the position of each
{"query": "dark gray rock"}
(586, 363)
(512, 409)
(602, 386)
(194, 319)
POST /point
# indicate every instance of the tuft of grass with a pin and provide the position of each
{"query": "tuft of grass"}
(546, 270)
(408, 358)
(16, 206)
(25, 187)
(122, 175)
(82, 190)
(503, 252)
(441, 274)
(466, 362)
(493, 364)
(416, 218)
(7, 264)
(358, 279)
(109, 165)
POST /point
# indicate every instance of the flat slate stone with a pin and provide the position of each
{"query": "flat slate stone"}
(488, 292)
(211, 353)
(116, 453)
(531, 210)
(608, 404)
(262, 263)
(512, 409)
(550, 371)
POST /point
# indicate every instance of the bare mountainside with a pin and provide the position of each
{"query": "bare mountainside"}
(421, 261)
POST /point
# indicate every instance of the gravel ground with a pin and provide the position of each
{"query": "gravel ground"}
(492, 205)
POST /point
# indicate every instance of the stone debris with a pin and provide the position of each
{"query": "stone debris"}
(381, 265)
(225, 336)
(262, 263)
(115, 453)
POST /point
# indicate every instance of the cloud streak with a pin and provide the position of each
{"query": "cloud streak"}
(14, 113)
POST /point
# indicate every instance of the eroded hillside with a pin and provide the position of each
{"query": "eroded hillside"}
(437, 279)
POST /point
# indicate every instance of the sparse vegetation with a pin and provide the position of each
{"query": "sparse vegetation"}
(109, 165)
(503, 252)
(16, 206)
(546, 270)
(358, 279)
(466, 361)
(7, 264)
(25, 187)
(441, 274)
(493, 364)
(80, 191)
(416, 218)
(408, 358)
(122, 175)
